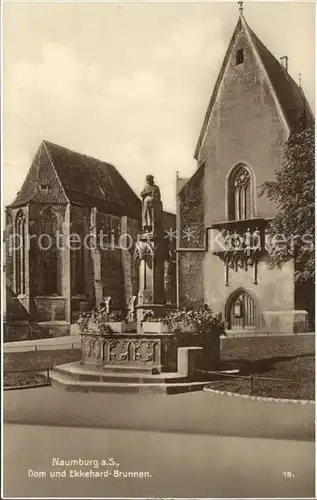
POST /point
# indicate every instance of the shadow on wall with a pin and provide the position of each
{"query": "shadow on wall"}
(17, 319)
(15, 310)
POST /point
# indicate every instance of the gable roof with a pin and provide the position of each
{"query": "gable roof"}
(289, 95)
(215, 90)
(40, 172)
(84, 180)
(89, 180)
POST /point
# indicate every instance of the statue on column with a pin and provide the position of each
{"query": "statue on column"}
(151, 205)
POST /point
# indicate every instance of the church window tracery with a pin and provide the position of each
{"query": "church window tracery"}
(240, 203)
(20, 270)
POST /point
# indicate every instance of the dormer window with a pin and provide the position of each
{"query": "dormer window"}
(43, 187)
(239, 57)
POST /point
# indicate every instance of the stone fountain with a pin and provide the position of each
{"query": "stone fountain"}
(138, 360)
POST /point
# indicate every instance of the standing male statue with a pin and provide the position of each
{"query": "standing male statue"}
(151, 205)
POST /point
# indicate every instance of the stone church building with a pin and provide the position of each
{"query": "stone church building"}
(254, 107)
(221, 221)
(95, 217)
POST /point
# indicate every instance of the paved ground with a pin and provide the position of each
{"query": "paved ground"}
(199, 412)
(67, 342)
(179, 465)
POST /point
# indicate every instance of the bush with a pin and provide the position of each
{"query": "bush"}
(98, 320)
(151, 318)
(201, 321)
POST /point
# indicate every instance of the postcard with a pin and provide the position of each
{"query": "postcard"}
(158, 260)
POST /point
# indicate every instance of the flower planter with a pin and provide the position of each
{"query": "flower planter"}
(211, 351)
(118, 326)
(131, 326)
(154, 327)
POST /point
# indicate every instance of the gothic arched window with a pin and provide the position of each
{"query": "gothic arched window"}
(20, 229)
(240, 203)
(49, 252)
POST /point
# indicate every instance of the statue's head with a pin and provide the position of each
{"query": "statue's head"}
(149, 179)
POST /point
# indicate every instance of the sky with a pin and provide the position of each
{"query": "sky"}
(129, 83)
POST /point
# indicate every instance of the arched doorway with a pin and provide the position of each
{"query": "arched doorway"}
(241, 311)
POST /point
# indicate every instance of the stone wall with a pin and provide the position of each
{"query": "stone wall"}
(245, 126)
(33, 306)
(191, 206)
(80, 224)
(11, 241)
(8, 249)
(112, 277)
(45, 308)
(191, 281)
(50, 308)
(116, 273)
(130, 270)
(191, 233)
(274, 289)
(35, 229)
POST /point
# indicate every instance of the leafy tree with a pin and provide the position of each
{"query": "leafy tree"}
(292, 232)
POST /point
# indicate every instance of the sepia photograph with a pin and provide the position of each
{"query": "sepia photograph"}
(158, 249)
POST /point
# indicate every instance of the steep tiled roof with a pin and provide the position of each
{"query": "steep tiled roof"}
(80, 179)
(291, 98)
(92, 181)
(77, 178)
(41, 173)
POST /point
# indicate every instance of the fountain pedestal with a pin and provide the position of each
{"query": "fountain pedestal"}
(129, 350)
(150, 254)
(137, 361)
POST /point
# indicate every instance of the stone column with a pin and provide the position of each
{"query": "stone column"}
(150, 252)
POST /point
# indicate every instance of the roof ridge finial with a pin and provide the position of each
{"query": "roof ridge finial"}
(240, 4)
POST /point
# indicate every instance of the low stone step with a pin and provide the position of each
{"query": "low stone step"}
(77, 372)
(66, 382)
(121, 368)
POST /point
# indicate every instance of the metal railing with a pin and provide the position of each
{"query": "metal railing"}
(41, 370)
(250, 333)
(252, 378)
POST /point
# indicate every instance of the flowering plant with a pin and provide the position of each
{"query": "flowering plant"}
(97, 320)
(149, 316)
(201, 320)
(177, 320)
